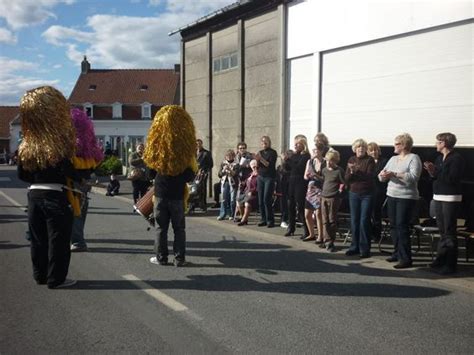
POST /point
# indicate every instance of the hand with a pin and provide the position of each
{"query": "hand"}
(351, 167)
(430, 167)
(385, 174)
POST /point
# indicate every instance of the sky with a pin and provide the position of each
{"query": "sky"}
(42, 42)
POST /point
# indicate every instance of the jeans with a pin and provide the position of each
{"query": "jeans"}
(446, 219)
(265, 189)
(77, 236)
(361, 226)
(228, 200)
(400, 213)
(50, 225)
(166, 211)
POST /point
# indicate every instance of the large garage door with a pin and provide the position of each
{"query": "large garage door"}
(421, 84)
(300, 99)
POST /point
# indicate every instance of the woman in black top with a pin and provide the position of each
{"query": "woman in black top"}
(298, 185)
(266, 181)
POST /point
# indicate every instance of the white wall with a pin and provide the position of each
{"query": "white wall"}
(319, 25)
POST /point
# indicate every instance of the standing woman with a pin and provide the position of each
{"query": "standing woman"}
(380, 191)
(360, 178)
(402, 173)
(140, 185)
(45, 161)
(446, 172)
(298, 185)
(266, 159)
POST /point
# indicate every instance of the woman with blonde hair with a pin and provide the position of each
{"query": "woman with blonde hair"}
(402, 173)
(360, 178)
(296, 165)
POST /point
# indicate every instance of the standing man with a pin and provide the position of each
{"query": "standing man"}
(140, 184)
(205, 164)
(171, 153)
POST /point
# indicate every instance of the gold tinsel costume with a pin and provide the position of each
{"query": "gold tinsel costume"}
(48, 133)
(171, 143)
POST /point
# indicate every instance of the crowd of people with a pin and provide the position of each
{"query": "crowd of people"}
(310, 185)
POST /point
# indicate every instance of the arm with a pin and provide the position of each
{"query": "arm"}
(412, 175)
(135, 160)
(453, 172)
(309, 172)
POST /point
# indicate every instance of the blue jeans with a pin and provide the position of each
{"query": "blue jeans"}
(361, 225)
(265, 188)
(77, 236)
(166, 211)
(228, 193)
(400, 213)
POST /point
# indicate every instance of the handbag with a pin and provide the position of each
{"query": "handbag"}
(135, 174)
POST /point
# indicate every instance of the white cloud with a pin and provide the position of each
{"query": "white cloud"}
(24, 13)
(13, 85)
(57, 66)
(7, 37)
(112, 41)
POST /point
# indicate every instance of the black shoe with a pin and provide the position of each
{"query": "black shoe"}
(364, 256)
(402, 265)
(179, 262)
(270, 225)
(262, 224)
(391, 259)
(351, 252)
(242, 223)
(289, 234)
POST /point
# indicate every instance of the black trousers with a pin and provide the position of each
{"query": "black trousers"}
(140, 187)
(446, 219)
(50, 224)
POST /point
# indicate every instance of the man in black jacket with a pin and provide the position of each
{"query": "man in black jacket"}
(205, 163)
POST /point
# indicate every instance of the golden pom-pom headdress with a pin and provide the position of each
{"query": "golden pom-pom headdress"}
(171, 142)
(48, 133)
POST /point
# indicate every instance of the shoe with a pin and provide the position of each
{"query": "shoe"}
(154, 260)
(364, 256)
(319, 241)
(391, 259)
(237, 220)
(289, 234)
(242, 223)
(271, 225)
(309, 238)
(322, 245)
(41, 282)
(179, 262)
(220, 218)
(402, 265)
(262, 224)
(66, 283)
(79, 248)
(331, 248)
(231, 218)
(351, 252)
(284, 225)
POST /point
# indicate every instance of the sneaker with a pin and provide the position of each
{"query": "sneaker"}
(179, 262)
(79, 248)
(284, 225)
(154, 260)
(66, 283)
(220, 218)
(231, 218)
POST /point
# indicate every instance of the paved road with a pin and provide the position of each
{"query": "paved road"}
(245, 291)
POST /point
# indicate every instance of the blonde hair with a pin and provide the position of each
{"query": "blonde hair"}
(333, 155)
(374, 147)
(321, 138)
(301, 138)
(406, 140)
(359, 143)
(48, 131)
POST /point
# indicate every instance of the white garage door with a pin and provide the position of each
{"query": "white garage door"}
(421, 84)
(300, 99)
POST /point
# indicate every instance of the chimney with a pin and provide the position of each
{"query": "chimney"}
(177, 68)
(85, 66)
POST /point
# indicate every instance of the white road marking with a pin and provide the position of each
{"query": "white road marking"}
(4, 178)
(11, 200)
(156, 294)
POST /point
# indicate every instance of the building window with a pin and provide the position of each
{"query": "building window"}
(117, 110)
(225, 62)
(92, 87)
(146, 111)
(89, 110)
(143, 87)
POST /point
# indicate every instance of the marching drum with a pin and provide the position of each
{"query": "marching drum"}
(144, 207)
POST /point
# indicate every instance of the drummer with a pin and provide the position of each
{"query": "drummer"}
(170, 152)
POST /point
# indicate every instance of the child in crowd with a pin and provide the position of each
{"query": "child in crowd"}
(282, 187)
(113, 186)
(228, 173)
(333, 186)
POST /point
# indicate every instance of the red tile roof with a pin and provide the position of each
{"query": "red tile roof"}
(124, 86)
(7, 114)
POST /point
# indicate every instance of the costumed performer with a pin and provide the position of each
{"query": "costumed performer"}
(88, 156)
(170, 152)
(45, 161)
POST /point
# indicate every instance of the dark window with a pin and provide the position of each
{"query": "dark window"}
(144, 87)
(92, 87)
